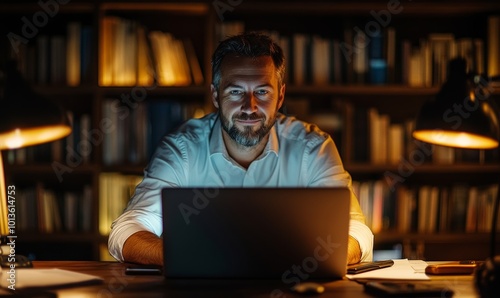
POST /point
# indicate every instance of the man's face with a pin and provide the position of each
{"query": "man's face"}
(248, 98)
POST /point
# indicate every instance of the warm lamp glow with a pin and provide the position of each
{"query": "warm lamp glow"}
(458, 116)
(455, 139)
(31, 136)
(26, 119)
(463, 116)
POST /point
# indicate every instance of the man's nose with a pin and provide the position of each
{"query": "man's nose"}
(249, 103)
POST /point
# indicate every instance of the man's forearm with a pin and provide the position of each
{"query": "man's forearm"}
(353, 251)
(143, 248)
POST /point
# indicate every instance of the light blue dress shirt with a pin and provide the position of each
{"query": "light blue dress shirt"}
(296, 154)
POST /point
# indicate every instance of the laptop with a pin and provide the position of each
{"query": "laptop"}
(291, 234)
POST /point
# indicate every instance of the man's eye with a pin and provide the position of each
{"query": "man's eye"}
(262, 92)
(235, 92)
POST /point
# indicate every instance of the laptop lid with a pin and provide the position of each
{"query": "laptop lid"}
(292, 234)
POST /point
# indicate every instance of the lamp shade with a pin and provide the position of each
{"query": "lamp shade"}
(459, 116)
(27, 118)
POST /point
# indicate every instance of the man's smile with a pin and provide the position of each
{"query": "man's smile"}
(248, 122)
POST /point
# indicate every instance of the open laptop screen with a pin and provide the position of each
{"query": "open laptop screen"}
(284, 233)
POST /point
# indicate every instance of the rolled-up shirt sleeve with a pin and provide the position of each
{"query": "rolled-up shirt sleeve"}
(143, 213)
(364, 236)
(144, 210)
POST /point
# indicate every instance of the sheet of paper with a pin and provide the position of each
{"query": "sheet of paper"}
(403, 269)
(41, 278)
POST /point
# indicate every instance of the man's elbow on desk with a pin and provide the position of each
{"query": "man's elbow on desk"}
(353, 251)
(143, 248)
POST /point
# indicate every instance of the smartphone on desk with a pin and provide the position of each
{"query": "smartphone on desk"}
(452, 268)
(369, 266)
(405, 289)
(143, 270)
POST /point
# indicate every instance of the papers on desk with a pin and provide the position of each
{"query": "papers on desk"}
(403, 269)
(26, 278)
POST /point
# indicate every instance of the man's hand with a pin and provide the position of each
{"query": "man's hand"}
(143, 248)
(353, 251)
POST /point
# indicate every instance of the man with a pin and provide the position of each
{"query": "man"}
(247, 142)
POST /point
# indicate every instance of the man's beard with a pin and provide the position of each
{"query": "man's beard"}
(248, 137)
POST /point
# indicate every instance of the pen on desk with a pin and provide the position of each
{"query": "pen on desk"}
(364, 267)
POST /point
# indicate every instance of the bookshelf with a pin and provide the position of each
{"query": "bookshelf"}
(114, 91)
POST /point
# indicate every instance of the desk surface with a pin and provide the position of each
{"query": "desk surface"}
(117, 284)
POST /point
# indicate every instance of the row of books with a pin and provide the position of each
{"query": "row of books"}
(46, 210)
(493, 57)
(378, 140)
(427, 61)
(362, 135)
(366, 135)
(130, 136)
(131, 55)
(379, 57)
(59, 59)
(426, 208)
(115, 190)
(136, 132)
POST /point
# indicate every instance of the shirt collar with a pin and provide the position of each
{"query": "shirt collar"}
(217, 145)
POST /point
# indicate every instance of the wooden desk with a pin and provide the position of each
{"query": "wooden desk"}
(117, 284)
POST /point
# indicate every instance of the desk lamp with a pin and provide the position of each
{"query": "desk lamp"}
(462, 116)
(26, 119)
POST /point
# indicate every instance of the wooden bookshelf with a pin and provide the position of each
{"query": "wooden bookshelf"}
(200, 21)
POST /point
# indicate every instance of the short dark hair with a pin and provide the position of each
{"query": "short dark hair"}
(252, 44)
